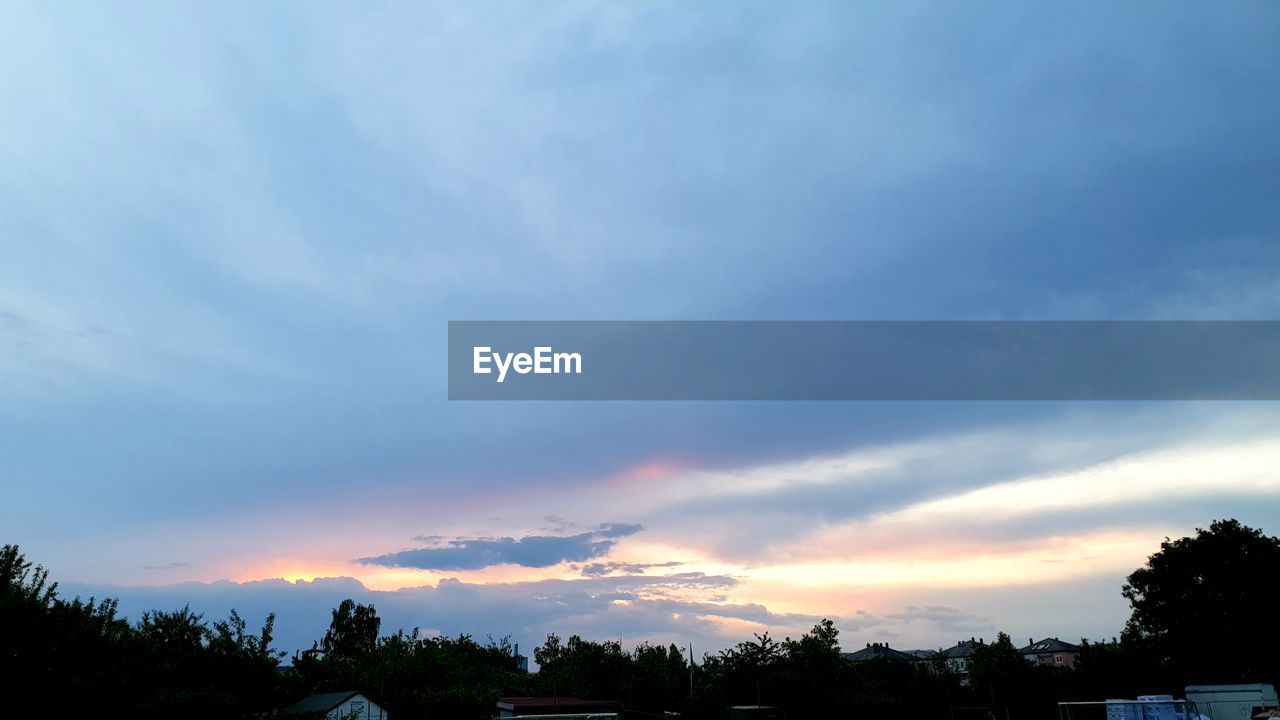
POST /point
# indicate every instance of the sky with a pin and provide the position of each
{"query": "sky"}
(232, 234)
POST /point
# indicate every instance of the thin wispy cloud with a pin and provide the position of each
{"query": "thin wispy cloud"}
(627, 568)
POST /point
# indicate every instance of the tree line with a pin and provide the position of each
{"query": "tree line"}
(1202, 611)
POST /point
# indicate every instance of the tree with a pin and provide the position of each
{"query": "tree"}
(415, 676)
(815, 668)
(63, 654)
(998, 669)
(585, 667)
(22, 582)
(74, 657)
(746, 670)
(1206, 604)
(660, 679)
(823, 641)
(1115, 670)
(353, 632)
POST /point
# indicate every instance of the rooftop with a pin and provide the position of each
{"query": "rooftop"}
(321, 702)
(878, 651)
(964, 648)
(1049, 645)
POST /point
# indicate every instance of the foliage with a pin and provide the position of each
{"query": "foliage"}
(408, 674)
(999, 671)
(1206, 605)
(1118, 670)
(583, 668)
(75, 657)
(353, 632)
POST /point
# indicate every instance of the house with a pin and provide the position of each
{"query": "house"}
(924, 656)
(349, 705)
(529, 706)
(878, 651)
(1051, 652)
(957, 657)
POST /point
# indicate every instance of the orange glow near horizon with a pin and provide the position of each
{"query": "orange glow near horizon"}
(971, 539)
(843, 585)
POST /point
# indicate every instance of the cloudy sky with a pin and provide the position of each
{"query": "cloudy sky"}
(231, 236)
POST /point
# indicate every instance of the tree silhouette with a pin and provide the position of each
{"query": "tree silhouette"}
(1206, 604)
(353, 632)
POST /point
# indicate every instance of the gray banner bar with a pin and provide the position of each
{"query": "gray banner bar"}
(864, 360)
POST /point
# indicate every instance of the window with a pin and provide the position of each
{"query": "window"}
(1057, 659)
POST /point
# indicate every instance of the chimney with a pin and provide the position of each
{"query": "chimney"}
(1031, 641)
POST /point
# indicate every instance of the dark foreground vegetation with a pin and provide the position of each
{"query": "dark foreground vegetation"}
(1204, 610)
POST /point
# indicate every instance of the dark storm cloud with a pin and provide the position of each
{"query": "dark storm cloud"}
(534, 551)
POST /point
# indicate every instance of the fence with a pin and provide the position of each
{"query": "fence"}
(1129, 710)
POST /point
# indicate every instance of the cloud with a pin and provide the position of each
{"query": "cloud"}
(673, 608)
(629, 568)
(176, 565)
(941, 617)
(532, 551)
